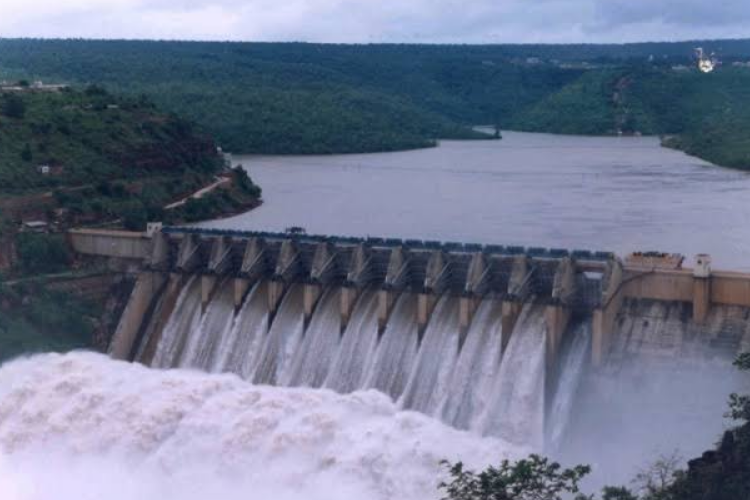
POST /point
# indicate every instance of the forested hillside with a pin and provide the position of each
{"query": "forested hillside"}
(101, 157)
(93, 136)
(707, 115)
(294, 98)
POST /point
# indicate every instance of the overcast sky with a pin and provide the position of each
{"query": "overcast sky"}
(428, 21)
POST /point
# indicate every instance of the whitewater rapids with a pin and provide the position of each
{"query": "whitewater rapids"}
(82, 426)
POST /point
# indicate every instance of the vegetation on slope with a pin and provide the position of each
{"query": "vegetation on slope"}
(91, 137)
(101, 157)
(75, 157)
(34, 319)
(706, 115)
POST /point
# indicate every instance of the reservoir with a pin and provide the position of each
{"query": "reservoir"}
(594, 193)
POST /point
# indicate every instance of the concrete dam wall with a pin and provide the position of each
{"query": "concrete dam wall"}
(487, 338)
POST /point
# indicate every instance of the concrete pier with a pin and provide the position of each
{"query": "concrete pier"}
(348, 299)
(426, 303)
(558, 313)
(604, 315)
(135, 314)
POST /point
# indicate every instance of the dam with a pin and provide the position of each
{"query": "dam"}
(488, 338)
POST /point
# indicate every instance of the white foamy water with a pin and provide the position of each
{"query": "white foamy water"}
(81, 426)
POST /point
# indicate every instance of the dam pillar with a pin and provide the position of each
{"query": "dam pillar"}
(477, 283)
(557, 315)
(172, 293)
(396, 278)
(358, 276)
(188, 254)
(159, 256)
(133, 317)
(510, 312)
(241, 286)
(208, 285)
(557, 319)
(518, 291)
(275, 293)
(254, 267)
(348, 298)
(386, 300)
(701, 287)
(425, 305)
(467, 306)
(310, 296)
(603, 321)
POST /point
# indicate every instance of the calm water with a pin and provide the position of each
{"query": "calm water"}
(618, 194)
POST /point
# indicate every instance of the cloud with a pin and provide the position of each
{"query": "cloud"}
(467, 21)
(690, 18)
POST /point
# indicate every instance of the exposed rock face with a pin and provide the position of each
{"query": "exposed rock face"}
(721, 474)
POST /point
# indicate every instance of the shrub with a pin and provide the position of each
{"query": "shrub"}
(134, 216)
(42, 253)
(13, 106)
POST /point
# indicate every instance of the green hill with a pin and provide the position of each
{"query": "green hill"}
(706, 115)
(102, 157)
(296, 98)
(92, 136)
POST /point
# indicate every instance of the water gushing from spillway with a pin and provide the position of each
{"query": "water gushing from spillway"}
(460, 377)
(277, 351)
(481, 379)
(239, 351)
(574, 361)
(215, 326)
(516, 408)
(357, 346)
(183, 320)
(437, 354)
(313, 357)
(84, 426)
(475, 373)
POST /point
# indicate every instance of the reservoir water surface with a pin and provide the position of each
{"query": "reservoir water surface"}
(594, 193)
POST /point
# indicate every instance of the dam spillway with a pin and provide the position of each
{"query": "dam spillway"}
(486, 338)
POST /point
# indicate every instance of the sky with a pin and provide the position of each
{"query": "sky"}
(369, 21)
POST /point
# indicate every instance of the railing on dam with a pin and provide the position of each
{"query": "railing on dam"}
(414, 244)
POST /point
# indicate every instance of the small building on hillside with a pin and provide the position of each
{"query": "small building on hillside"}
(50, 169)
(35, 226)
(40, 86)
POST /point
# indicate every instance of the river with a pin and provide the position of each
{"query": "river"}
(594, 193)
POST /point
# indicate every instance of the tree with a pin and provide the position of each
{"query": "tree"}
(134, 216)
(617, 493)
(42, 253)
(654, 481)
(739, 405)
(245, 183)
(13, 106)
(26, 153)
(533, 478)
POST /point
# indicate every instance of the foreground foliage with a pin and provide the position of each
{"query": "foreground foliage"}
(534, 478)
